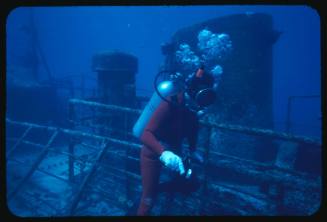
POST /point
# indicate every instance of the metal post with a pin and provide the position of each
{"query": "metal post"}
(204, 191)
(71, 145)
(128, 192)
(288, 120)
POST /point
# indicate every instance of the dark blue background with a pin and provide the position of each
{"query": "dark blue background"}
(70, 36)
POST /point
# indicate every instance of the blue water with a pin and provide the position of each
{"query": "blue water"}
(70, 36)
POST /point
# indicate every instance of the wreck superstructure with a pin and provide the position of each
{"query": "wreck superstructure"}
(91, 165)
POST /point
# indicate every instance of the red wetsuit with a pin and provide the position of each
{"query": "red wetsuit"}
(169, 124)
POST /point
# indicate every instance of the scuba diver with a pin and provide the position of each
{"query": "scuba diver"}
(170, 116)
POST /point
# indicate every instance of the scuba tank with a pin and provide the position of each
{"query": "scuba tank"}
(199, 94)
(164, 90)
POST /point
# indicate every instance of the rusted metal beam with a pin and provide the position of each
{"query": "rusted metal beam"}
(137, 146)
(18, 141)
(88, 177)
(234, 128)
(52, 150)
(265, 173)
(106, 129)
(27, 142)
(43, 171)
(106, 106)
(263, 132)
(247, 203)
(77, 133)
(262, 172)
(36, 163)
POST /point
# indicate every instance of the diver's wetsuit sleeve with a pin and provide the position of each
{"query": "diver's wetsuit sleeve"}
(148, 137)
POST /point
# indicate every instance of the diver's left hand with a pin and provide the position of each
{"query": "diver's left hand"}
(172, 161)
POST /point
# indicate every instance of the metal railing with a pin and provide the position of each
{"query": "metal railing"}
(230, 127)
(272, 174)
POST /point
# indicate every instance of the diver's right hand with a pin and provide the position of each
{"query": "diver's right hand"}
(172, 161)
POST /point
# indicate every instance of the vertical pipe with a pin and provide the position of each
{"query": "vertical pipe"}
(126, 159)
(204, 191)
(71, 142)
(288, 120)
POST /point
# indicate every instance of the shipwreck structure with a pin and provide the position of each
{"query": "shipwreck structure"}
(247, 70)
(91, 167)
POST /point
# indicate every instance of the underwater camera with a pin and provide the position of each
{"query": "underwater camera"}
(185, 183)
